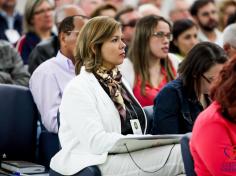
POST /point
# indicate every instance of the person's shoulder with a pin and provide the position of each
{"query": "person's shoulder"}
(46, 68)
(174, 60)
(210, 115)
(173, 85)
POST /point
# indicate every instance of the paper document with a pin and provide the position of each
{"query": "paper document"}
(139, 142)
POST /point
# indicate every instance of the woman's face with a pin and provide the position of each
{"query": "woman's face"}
(160, 40)
(187, 40)
(208, 77)
(229, 10)
(113, 50)
(43, 17)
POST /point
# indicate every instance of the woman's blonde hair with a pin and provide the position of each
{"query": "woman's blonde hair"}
(30, 7)
(90, 40)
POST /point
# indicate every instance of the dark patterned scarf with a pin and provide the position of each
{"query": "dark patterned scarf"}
(112, 80)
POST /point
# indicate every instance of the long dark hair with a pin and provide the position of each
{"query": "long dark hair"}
(198, 61)
(140, 52)
(179, 27)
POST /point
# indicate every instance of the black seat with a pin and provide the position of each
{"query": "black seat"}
(149, 114)
(49, 145)
(18, 123)
(187, 157)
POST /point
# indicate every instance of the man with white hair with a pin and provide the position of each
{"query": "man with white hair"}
(175, 10)
(149, 9)
(229, 40)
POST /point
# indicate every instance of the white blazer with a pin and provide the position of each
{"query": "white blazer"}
(89, 125)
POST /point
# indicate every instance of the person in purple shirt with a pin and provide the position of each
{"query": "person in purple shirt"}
(50, 78)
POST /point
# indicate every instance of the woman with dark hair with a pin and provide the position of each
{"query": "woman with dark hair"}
(150, 66)
(184, 37)
(177, 105)
(213, 139)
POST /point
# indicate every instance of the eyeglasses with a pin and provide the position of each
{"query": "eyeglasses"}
(75, 32)
(132, 23)
(161, 35)
(43, 11)
(208, 80)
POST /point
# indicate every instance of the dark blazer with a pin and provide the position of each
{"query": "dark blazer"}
(4, 26)
(174, 111)
(42, 52)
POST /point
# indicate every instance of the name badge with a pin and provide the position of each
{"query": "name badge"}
(135, 125)
(12, 35)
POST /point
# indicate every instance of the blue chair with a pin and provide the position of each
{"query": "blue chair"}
(186, 154)
(49, 144)
(149, 114)
(18, 123)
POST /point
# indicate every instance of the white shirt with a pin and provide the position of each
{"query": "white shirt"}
(219, 37)
(47, 85)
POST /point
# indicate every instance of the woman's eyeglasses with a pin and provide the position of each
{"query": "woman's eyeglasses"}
(207, 79)
(43, 11)
(162, 35)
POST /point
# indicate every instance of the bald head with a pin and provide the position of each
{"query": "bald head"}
(66, 11)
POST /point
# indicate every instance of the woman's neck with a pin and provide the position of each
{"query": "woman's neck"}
(155, 72)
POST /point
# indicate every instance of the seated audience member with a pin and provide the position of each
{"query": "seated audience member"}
(205, 14)
(184, 37)
(149, 66)
(226, 8)
(89, 6)
(178, 104)
(12, 70)
(229, 40)
(104, 10)
(128, 17)
(10, 21)
(48, 49)
(96, 110)
(49, 80)
(38, 23)
(175, 10)
(213, 140)
(148, 9)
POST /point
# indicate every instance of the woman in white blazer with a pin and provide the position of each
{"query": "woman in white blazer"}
(98, 108)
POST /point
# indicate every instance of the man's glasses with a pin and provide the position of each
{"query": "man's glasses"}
(75, 32)
(132, 23)
(162, 35)
(208, 80)
(43, 11)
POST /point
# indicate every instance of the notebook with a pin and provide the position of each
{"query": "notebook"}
(139, 142)
(22, 167)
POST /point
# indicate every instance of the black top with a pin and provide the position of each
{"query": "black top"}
(133, 111)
